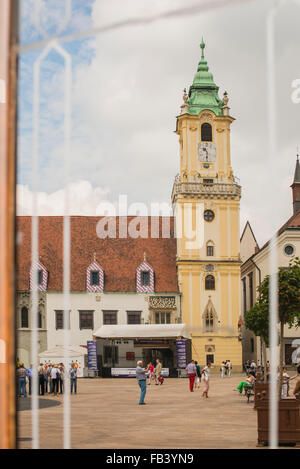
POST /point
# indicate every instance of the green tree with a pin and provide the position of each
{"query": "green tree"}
(257, 318)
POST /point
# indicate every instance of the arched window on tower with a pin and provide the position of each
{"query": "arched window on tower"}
(209, 317)
(206, 133)
(209, 321)
(209, 282)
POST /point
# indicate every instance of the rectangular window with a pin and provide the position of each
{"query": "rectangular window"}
(252, 345)
(86, 320)
(210, 358)
(110, 317)
(209, 250)
(59, 319)
(162, 318)
(24, 317)
(133, 317)
(40, 323)
(244, 295)
(251, 289)
(110, 355)
(208, 181)
(95, 278)
(145, 277)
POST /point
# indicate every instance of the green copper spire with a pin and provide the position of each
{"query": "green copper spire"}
(203, 93)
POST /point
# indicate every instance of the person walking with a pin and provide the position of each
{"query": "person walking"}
(198, 375)
(73, 378)
(141, 378)
(206, 372)
(158, 370)
(21, 376)
(191, 369)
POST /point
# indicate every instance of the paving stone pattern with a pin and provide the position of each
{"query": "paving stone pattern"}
(105, 414)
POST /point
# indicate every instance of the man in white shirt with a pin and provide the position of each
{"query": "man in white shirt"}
(191, 369)
(54, 378)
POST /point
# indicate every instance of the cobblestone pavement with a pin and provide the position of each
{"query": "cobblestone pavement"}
(105, 414)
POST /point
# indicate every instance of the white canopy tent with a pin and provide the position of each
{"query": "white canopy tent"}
(125, 331)
(57, 355)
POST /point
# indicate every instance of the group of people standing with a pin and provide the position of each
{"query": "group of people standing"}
(154, 372)
(225, 368)
(195, 373)
(51, 378)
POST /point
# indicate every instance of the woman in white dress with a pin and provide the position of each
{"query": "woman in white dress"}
(206, 373)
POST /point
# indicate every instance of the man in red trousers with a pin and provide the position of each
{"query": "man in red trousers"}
(191, 369)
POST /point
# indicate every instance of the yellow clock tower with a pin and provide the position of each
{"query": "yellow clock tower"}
(206, 198)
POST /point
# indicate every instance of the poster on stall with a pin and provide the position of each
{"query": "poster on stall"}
(92, 355)
(181, 354)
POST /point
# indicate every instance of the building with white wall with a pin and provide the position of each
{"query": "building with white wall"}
(114, 281)
(256, 266)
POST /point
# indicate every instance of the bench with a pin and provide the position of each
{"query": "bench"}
(249, 391)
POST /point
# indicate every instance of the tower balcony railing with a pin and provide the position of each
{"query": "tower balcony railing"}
(216, 190)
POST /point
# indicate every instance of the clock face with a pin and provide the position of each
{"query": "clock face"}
(207, 151)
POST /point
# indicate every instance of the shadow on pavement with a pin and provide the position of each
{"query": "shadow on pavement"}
(24, 403)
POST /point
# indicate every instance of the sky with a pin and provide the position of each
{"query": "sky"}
(126, 90)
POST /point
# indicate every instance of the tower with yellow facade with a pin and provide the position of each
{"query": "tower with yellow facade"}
(206, 198)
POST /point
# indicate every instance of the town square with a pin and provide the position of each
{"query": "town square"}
(150, 226)
(172, 418)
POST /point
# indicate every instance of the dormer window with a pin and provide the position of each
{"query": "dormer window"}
(41, 275)
(95, 277)
(145, 278)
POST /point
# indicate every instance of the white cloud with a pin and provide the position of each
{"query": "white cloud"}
(126, 97)
(83, 200)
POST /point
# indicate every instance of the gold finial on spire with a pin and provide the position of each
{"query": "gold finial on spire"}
(145, 257)
(94, 257)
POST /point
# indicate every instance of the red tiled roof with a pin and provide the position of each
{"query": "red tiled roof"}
(119, 258)
(293, 222)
